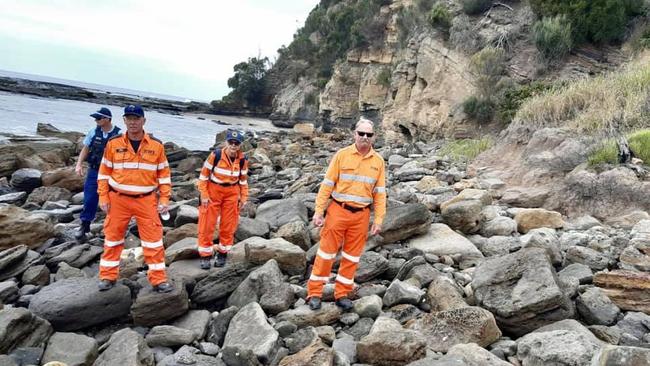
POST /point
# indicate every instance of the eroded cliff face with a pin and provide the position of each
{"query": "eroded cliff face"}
(414, 84)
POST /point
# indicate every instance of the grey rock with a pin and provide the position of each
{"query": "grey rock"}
(396, 347)
(368, 306)
(441, 240)
(587, 256)
(521, 290)
(291, 258)
(19, 226)
(65, 272)
(12, 256)
(36, 275)
(558, 347)
(445, 329)
(72, 253)
(196, 321)
(264, 285)
(27, 355)
(347, 346)
(219, 325)
(125, 347)
(581, 272)
(544, 238)
(76, 303)
(402, 293)
(249, 331)
(186, 214)
(635, 323)
(153, 308)
(219, 283)
(20, 328)
(279, 212)
(405, 221)
(8, 292)
(303, 316)
(611, 335)
(15, 198)
(295, 232)
(285, 328)
(472, 355)
(169, 336)
(248, 228)
(615, 356)
(596, 308)
(371, 265)
(42, 194)
(501, 226)
(360, 329)
(72, 349)
(300, 339)
(349, 318)
(26, 179)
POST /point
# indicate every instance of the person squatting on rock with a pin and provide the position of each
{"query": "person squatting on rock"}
(355, 179)
(223, 185)
(133, 172)
(92, 152)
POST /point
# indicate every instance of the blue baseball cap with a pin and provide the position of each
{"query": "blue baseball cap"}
(103, 112)
(234, 135)
(133, 110)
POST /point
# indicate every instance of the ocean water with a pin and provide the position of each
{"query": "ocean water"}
(19, 114)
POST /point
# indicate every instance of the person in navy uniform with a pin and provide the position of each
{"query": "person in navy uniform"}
(92, 153)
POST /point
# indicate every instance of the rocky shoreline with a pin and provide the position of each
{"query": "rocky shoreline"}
(62, 91)
(458, 277)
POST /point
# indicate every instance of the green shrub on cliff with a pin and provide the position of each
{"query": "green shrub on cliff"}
(466, 149)
(599, 21)
(552, 37)
(440, 17)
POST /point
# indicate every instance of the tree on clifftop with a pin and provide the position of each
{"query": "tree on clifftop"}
(249, 81)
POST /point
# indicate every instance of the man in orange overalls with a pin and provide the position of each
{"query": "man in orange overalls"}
(133, 169)
(223, 185)
(355, 179)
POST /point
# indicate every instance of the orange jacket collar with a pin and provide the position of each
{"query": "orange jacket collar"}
(370, 152)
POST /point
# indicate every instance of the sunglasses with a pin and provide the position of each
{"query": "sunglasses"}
(366, 134)
(234, 142)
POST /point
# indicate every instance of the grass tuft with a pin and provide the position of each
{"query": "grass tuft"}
(466, 149)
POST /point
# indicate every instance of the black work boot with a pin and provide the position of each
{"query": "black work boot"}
(314, 303)
(221, 260)
(344, 303)
(204, 262)
(163, 287)
(105, 285)
(82, 231)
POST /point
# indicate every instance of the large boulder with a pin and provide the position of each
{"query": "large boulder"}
(615, 356)
(153, 308)
(445, 329)
(71, 348)
(26, 179)
(463, 212)
(42, 194)
(10, 155)
(302, 316)
(219, 283)
(126, 347)
(251, 227)
(405, 221)
(63, 178)
(279, 212)
(556, 347)
(21, 328)
(389, 344)
(249, 331)
(75, 303)
(264, 286)
(442, 240)
(533, 218)
(291, 258)
(18, 226)
(522, 290)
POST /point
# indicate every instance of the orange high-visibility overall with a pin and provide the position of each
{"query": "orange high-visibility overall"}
(128, 181)
(354, 182)
(225, 184)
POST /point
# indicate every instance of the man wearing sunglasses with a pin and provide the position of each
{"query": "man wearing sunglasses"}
(355, 180)
(223, 185)
(92, 152)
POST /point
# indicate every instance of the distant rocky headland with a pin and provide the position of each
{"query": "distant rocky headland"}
(63, 91)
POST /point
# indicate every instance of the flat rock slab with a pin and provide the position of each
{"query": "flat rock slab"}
(20, 328)
(291, 258)
(629, 290)
(153, 308)
(72, 349)
(76, 303)
(249, 330)
(302, 316)
(126, 347)
(442, 240)
(458, 326)
(220, 283)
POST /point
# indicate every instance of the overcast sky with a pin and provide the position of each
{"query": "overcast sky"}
(185, 48)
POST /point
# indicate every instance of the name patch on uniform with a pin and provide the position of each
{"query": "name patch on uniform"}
(374, 168)
(151, 152)
(121, 149)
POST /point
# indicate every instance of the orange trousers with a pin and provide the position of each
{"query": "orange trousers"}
(145, 210)
(346, 231)
(224, 203)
